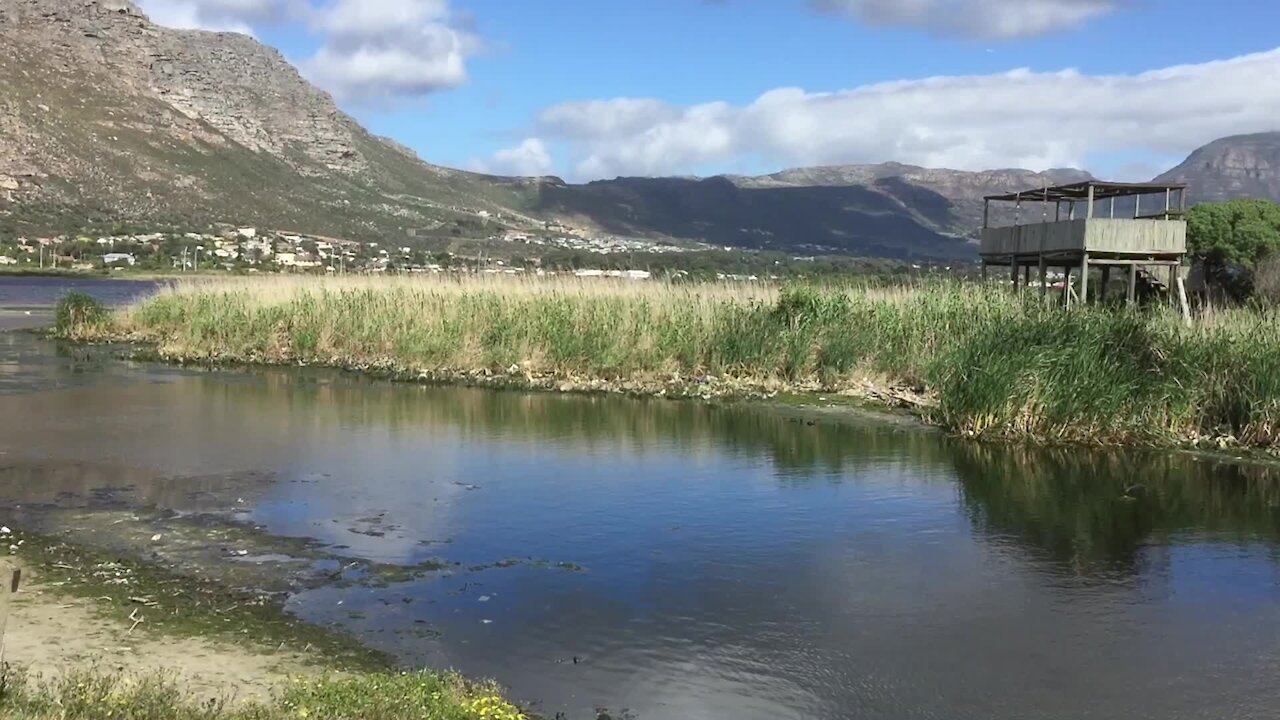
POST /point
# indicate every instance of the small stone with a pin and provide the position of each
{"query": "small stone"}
(156, 537)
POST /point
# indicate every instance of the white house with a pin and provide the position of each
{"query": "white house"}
(113, 258)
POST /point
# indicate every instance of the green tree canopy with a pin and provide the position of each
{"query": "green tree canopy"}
(1238, 231)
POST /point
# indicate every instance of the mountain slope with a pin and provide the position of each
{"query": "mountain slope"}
(1240, 166)
(818, 219)
(962, 189)
(106, 116)
(888, 210)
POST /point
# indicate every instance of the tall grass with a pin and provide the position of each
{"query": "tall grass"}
(93, 695)
(999, 364)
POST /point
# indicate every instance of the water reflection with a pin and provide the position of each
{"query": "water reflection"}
(718, 561)
(1097, 512)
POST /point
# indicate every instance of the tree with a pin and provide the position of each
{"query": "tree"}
(1238, 232)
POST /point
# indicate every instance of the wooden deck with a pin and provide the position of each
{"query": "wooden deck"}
(1100, 238)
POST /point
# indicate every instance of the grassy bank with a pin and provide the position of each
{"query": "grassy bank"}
(998, 365)
(92, 695)
(342, 679)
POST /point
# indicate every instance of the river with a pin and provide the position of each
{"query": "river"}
(675, 560)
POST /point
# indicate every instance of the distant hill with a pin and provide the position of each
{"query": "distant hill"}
(962, 190)
(1240, 166)
(104, 115)
(805, 220)
(888, 210)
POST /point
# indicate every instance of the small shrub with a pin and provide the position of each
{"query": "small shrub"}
(77, 312)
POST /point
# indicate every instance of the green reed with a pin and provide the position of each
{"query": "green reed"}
(999, 364)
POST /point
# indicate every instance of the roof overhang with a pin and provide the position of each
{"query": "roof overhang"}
(1081, 191)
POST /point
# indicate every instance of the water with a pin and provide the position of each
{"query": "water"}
(28, 301)
(24, 291)
(695, 561)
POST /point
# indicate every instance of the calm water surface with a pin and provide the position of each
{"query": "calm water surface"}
(17, 291)
(27, 302)
(702, 562)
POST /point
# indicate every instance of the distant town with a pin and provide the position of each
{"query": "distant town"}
(556, 249)
(250, 249)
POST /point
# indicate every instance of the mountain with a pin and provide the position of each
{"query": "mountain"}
(888, 210)
(807, 220)
(105, 117)
(108, 118)
(963, 190)
(1240, 166)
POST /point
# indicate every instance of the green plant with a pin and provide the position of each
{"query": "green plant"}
(997, 364)
(77, 312)
(93, 695)
(1240, 232)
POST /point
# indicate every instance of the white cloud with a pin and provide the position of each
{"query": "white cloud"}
(380, 49)
(1014, 119)
(367, 49)
(221, 15)
(529, 158)
(975, 18)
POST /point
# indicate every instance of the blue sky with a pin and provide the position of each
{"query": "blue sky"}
(597, 88)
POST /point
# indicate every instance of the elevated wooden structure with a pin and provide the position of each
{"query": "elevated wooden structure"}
(1075, 227)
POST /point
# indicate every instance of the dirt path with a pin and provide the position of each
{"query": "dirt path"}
(49, 634)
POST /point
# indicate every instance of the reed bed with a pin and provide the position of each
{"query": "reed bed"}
(997, 364)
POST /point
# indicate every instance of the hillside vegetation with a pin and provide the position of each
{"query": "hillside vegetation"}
(995, 364)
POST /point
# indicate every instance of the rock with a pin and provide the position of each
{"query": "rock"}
(1232, 167)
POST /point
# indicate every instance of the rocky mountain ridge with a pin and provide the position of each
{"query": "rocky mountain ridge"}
(1232, 167)
(104, 114)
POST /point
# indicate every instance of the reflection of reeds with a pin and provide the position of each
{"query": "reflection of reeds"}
(623, 427)
(1096, 510)
(1000, 364)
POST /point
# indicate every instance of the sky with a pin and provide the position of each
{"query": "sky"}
(591, 89)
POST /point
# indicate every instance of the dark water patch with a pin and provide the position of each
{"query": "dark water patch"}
(44, 292)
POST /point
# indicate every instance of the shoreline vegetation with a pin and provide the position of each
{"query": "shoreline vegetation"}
(333, 676)
(977, 361)
(103, 695)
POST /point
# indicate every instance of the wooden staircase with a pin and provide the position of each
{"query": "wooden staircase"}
(1149, 284)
